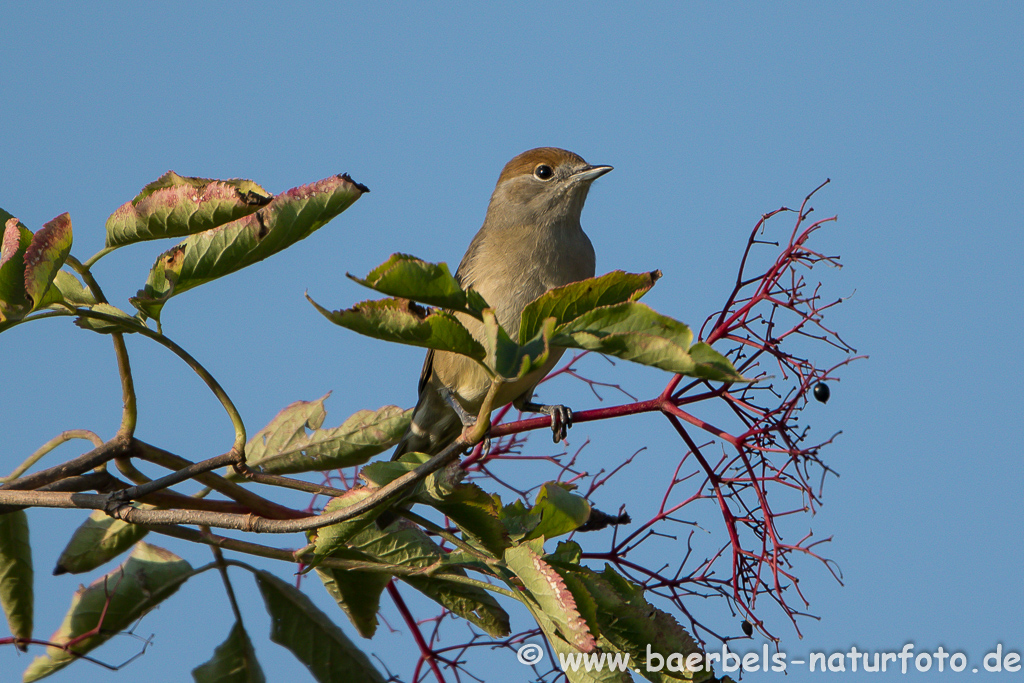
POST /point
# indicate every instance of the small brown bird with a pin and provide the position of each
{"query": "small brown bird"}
(531, 241)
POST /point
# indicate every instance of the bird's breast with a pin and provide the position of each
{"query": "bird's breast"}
(522, 268)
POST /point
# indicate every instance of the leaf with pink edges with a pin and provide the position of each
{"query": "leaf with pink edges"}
(44, 257)
(208, 255)
(14, 303)
(554, 599)
(175, 206)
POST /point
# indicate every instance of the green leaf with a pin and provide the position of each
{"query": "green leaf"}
(14, 302)
(356, 592)
(97, 541)
(579, 674)
(551, 595)
(330, 538)
(297, 624)
(567, 552)
(174, 206)
(5, 216)
(16, 574)
(129, 325)
(402, 321)
(405, 544)
(72, 291)
(234, 661)
(585, 602)
(628, 317)
(473, 604)
(630, 624)
(44, 257)
(147, 578)
(518, 519)
(476, 513)
(408, 277)
(713, 365)
(383, 472)
(161, 283)
(401, 543)
(435, 487)
(565, 651)
(560, 511)
(206, 256)
(510, 360)
(573, 300)
(633, 331)
(295, 442)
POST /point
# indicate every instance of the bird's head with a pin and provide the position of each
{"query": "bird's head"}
(542, 186)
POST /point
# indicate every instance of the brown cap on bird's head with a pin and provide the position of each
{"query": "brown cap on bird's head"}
(528, 161)
(547, 182)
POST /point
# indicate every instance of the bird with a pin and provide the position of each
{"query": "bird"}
(531, 241)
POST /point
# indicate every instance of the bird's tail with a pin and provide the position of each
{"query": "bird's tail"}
(434, 425)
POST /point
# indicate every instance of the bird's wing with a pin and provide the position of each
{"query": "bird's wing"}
(460, 277)
(428, 367)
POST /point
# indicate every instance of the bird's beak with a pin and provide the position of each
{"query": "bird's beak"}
(589, 173)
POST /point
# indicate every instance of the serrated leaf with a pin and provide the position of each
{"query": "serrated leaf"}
(407, 545)
(98, 540)
(518, 519)
(295, 442)
(14, 302)
(402, 321)
(476, 514)
(44, 257)
(560, 511)
(435, 487)
(574, 299)
(580, 673)
(356, 592)
(585, 602)
(129, 325)
(628, 317)
(566, 652)
(510, 360)
(16, 575)
(631, 624)
(633, 331)
(206, 256)
(473, 604)
(147, 578)
(174, 206)
(566, 552)
(315, 640)
(407, 277)
(549, 591)
(330, 538)
(234, 661)
(383, 472)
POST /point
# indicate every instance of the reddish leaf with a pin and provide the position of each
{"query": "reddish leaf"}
(45, 256)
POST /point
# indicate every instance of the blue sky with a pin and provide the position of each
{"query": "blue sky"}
(711, 116)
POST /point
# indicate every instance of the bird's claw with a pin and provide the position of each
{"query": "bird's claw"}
(561, 417)
(561, 421)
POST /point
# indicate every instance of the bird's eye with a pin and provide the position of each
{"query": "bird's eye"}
(543, 172)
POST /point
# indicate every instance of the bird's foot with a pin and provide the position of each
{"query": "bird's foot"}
(468, 420)
(561, 418)
(453, 403)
